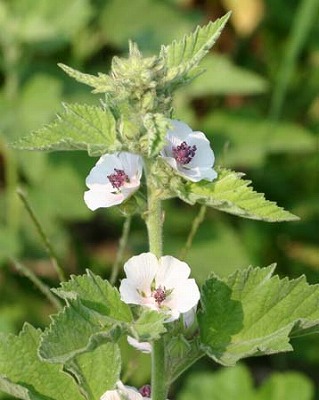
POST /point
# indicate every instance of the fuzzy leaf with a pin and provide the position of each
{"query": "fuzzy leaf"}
(149, 326)
(254, 313)
(233, 195)
(96, 371)
(24, 375)
(101, 83)
(157, 126)
(183, 56)
(95, 308)
(79, 127)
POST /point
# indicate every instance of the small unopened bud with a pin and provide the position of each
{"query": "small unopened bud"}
(145, 391)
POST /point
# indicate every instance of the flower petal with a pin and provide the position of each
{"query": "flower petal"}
(184, 297)
(140, 270)
(104, 167)
(96, 198)
(201, 163)
(171, 272)
(129, 293)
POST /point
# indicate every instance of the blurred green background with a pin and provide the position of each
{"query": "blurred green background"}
(258, 103)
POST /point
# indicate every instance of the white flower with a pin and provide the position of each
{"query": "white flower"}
(160, 285)
(114, 178)
(122, 393)
(189, 153)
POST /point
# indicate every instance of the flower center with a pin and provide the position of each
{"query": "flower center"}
(184, 153)
(145, 391)
(159, 295)
(118, 178)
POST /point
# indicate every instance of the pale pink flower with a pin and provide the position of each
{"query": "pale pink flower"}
(189, 153)
(159, 284)
(114, 178)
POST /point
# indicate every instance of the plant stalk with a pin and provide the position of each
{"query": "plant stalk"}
(154, 223)
(121, 250)
(53, 256)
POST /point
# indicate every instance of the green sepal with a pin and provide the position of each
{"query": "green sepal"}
(79, 127)
(253, 313)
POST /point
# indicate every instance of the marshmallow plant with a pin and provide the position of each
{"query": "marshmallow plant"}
(146, 155)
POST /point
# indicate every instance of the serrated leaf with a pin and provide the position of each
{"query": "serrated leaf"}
(148, 326)
(232, 194)
(80, 127)
(97, 371)
(254, 313)
(101, 83)
(95, 308)
(183, 56)
(24, 375)
(157, 126)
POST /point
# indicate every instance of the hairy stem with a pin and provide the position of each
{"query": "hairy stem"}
(154, 223)
(53, 256)
(121, 249)
(195, 225)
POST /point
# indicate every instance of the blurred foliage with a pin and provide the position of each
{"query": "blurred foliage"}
(258, 103)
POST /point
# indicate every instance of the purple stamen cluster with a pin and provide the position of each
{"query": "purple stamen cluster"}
(184, 153)
(145, 391)
(118, 178)
(159, 295)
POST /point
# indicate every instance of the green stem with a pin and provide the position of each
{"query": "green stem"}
(53, 256)
(154, 223)
(195, 225)
(38, 283)
(121, 249)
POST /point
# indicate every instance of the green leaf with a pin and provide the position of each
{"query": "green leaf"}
(101, 83)
(24, 375)
(156, 126)
(254, 313)
(95, 308)
(148, 326)
(80, 127)
(233, 195)
(183, 56)
(97, 371)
